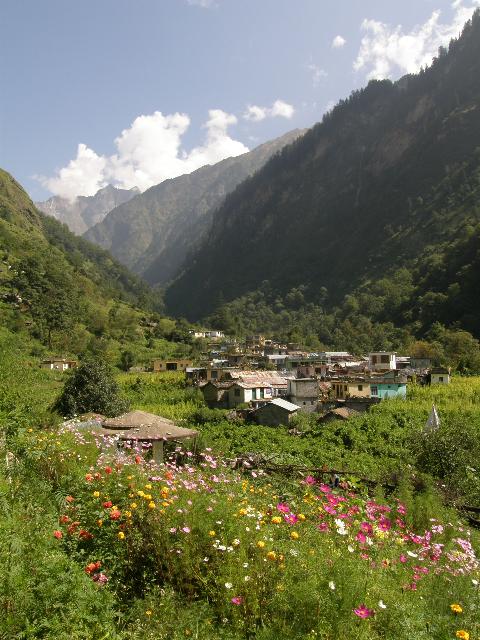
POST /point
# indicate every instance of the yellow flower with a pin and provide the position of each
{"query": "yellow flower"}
(301, 516)
(276, 519)
(147, 496)
(462, 634)
(30, 430)
(211, 533)
(148, 486)
(140, 493)
(260, 544)
(99, 522)
(152, 505)
(294, 535)
(148, 612)
(165, 504)
(133, 505)
(456, 608)
(127, 514)
(129, 477)
(242, 512)
(271, 555)
(96, 494)
(121, 535)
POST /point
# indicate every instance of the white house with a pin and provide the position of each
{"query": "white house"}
(246, 393)
(382, 361)
(440, 375)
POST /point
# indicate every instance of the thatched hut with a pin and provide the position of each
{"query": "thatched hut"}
(141, 426)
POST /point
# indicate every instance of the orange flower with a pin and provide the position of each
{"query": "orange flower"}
(69, 499)
(58, 534)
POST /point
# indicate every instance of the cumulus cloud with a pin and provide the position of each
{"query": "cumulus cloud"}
(147, 153)
(338, 42)
(387, 49)
(279, 109)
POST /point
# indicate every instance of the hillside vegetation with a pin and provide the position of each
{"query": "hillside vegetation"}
(372, 216)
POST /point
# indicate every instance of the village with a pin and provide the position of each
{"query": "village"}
(267, 382)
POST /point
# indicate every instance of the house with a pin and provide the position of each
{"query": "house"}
(341, 413)
(388, 387)
(214, 334)
(350, 388)
(215, 393)
(440, 375)
(58, 364)
(272, 379)
(382, 361)
(304, 393)
(277, 411)
(171, 365)
(248, 393)
(420, 363)
(274, 361)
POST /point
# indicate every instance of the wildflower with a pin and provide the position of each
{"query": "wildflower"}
(69, 499)
(309, 480)
(133, 505)
(64, 519)
(301, 516)
(236, 542)
(276, 520)
(246, 578)
(331, 585)
(96, 494)
(260, 544)
(121, 535)
(363, 611)
(115, 514)
(228, 585)
(148, 486)
(283, 507)
(108, 470)
(148, 613)
(237, 600)
(211, 533)
(107, 504)
(456, 608)
(99, 522)
(381, 604)
(294, 535)
(85, 535)
(186, 529)
(101, 578)
(58, 534)
(138, 459)
(271, 555)
(152, 505)
(462, 634)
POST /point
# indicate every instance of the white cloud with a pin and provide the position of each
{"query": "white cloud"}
(386, 50)
(279, 109)
(205, 4)
(148, 152)
(338, 42)
(317, 73)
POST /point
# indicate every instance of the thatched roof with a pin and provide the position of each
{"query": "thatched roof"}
(140, 425)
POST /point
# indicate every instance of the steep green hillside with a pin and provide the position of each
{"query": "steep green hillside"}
(379, 203)
(60, 289)
(153, 233)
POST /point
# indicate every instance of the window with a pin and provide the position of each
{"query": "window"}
(237, 392)
(215, 375)
(262, 393)
(360, 387)
(171, 366)
(440, 379)
(385, 359)
(374, 391)
(374, 359)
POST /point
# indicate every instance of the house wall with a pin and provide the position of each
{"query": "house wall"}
(440, 378)
(382, 361)
(272, 415)
(303, 388)
(383, 391)
(358, 389)
(171, 365)
(306, 405)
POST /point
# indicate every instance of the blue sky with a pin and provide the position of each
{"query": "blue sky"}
(187, 81)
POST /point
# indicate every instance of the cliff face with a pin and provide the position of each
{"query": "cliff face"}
(387, 177)
(153, 233)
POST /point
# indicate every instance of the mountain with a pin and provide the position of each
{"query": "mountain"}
(387, 183)
(153, 232)
(57, 286)
(86, 211)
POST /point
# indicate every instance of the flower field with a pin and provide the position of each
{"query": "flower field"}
(194, 548)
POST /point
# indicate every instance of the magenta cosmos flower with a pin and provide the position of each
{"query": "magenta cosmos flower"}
(283, 507)
(237, 600)
(363, 611)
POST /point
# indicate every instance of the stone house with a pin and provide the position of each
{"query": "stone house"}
(304, 393)
(276, 412)
(171, 365)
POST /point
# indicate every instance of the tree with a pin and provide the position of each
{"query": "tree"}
(127, 360)
(91, 387)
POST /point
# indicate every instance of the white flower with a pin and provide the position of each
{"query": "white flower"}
(205, 559)
(381, 604)
(350, 548)
(475, 582)
(412, 555)
(246, 578)
(236, 542)
(331, 585)
(245, 565)
(228, 585)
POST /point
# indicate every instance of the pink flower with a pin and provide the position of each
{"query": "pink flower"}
(367, 528)
(329, 509)
(186, 529)
(403, 558)
(309, 480)
(237, 600)
(323, 526)
(384, 524)
(361, 537)
(325, 488)
(363, 611)
(401, 509)
(291, 518)
(283, 507)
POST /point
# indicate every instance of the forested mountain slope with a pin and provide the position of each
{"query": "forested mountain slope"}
(58, 286)
(388, 181)
(153, 233)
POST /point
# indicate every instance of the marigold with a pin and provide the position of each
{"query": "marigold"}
(260, 544)
(148, 612)
(58, 534)
(151, 505)
(456, 608)
(121, 535)
(462, 634)
(96, 494)
(271, 555)
(211, 533)
(133, 505)
(99, 522)
(148, 486)
(276, 520)
(294, 535)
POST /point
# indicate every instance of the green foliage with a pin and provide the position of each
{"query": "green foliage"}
(91, 387)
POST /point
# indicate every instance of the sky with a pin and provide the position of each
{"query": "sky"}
(132, 92)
